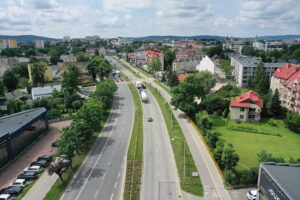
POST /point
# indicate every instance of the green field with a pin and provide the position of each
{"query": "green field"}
(247, 145)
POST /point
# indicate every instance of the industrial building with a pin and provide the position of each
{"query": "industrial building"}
(279, 181)
(19, 130)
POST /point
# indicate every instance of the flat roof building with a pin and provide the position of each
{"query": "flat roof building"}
(279, 181)
(19, 130)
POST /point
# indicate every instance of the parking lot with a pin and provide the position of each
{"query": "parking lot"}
(41, 147)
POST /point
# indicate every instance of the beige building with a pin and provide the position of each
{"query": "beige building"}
(246, 107)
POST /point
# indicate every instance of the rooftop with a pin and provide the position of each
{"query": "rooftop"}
(286, 71)
(45, 90)
(246, 99)
(12, 123)
(287, 176)
(182, 77)
(246, 61)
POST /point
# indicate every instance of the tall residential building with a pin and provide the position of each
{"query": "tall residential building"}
(124, 41)
(39, 44)
(258, 45)
(8, 44)
(287, 80)
(245, 67)
(3, 44)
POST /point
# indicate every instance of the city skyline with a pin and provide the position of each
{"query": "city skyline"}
(112, 18)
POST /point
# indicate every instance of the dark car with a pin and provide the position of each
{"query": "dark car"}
(42, 163)
(12, 190)
(29, 175)
(45, 157)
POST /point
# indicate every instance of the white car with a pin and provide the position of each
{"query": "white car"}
(19, 182)
(252, 195)
(33, 168)
(5, 197)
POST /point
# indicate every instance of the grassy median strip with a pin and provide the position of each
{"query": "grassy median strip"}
(183, 157)
(59, 186)
(135, 151)
(128, 68)
(164, 87)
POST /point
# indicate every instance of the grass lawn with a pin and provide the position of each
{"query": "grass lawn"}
(164, 87)
(247, 145)
(135, 151)
(188, 183)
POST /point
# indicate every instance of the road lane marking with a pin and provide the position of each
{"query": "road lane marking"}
(96, 193)
(116, 184)
(109, 163)
(119, 174)
(112, 195)
(89, 176)
(122, 165)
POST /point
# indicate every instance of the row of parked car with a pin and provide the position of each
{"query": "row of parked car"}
(30, 173)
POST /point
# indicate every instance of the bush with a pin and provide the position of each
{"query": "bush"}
(293, 121)
(251, 129)
(272, 122)
(54, 113)
(204, 121)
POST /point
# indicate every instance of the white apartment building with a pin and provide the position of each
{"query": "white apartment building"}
(258, 45)
(67, 38)
(206, 64)
(245, 67)
(124, 41)
(39, 44)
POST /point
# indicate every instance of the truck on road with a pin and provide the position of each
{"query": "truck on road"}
(144, 96)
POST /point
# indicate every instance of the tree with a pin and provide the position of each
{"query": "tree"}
(10, 80)
(204, 121)
(21, 70)
(248, 50)
(195, 86)
(37, 72)
(260, 81)
(264, 156)
(169, 57)
(14, 106)
(58, 167)
(275, 107)
(2, 90)
(70, 79)
(229, 158)
(293, 121)
(54, 56)
(105, 91)
(154, 65)
(9, 52)
(81, 57)
(173, 79)
(100, 66)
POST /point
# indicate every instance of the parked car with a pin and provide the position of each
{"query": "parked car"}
(12, 190)
(252, 195)
(19, 182)
(42, 163)
(33, 168)
(45, 157)
(5, 197)
(28, 175)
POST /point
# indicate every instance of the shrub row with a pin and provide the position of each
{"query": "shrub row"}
(250, 129)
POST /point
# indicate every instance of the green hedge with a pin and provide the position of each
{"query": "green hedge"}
(250, 129)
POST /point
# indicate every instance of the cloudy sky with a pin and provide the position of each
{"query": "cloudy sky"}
(111, 18)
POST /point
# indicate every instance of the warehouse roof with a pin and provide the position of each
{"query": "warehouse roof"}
(287, 177)
(12, 123)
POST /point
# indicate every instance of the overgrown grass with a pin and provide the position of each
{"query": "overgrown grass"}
(164, 87)
(59, 186)
(183, 157)
(251, 129)
(128, 68)
(248, 145)
(135, 151)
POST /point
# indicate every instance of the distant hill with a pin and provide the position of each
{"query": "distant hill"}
(279, 37)
(25, 38)
(173, 37)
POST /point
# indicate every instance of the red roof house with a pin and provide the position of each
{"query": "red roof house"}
(182, 77)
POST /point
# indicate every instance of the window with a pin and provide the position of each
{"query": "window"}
(252, 109)
(251, 116)
(241, 116)
(242, 109)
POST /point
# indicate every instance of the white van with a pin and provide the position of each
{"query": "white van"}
(5, 197)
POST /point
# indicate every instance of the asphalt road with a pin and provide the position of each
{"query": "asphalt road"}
(102, 174)
(159, 178)
(211, 179)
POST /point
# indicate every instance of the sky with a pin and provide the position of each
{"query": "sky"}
(113, 18)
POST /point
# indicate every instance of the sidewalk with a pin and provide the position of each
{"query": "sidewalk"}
(41, 187)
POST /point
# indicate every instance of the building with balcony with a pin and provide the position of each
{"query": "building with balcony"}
(287, 80)
(245, 68)
(246, 107)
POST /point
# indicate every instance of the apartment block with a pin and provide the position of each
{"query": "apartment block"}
(39, 44)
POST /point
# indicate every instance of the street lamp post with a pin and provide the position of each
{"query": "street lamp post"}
(183, 156)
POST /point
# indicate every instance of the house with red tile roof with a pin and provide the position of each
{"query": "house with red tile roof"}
(182, 77)
(287, 80)
(246, 107)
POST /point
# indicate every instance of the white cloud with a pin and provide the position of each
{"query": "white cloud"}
(40, 4)
(125, 5)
